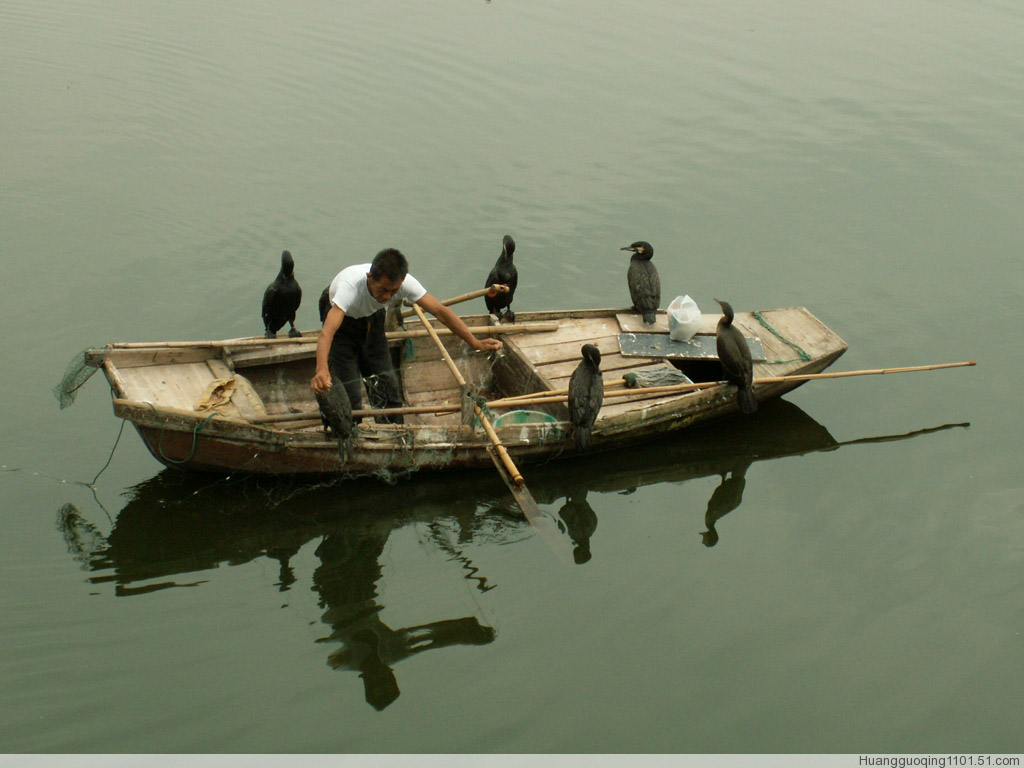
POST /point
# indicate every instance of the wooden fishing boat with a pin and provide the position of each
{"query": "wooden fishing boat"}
(244, 405)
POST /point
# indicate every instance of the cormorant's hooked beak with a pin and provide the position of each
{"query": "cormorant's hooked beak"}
(632, 248)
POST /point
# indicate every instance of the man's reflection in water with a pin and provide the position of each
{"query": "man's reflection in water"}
(286, 574)
(347, 583)
(727, 497)
(581, 522)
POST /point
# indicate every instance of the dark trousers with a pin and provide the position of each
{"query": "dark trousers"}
(359, 353)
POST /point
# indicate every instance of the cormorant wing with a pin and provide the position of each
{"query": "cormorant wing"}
(269, 296)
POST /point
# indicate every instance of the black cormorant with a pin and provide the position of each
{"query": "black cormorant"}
(734, 354)
(504, 273)
(644, 284)
(281, 300)
(336, 415)
(325, 304)
(586, 393)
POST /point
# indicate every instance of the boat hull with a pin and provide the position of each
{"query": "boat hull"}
(238, 442)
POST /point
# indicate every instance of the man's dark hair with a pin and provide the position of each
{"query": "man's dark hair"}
(389, 263)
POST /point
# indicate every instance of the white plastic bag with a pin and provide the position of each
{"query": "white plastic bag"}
(683, 318)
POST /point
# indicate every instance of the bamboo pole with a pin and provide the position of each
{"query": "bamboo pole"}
(560, 396)
(312, 339)
(640, 393)
(358, 413)
(513, 471)
(240, 342)
(866, 372)
(496, 288)
(506, 468)
(556, 396)
(514, 399)
(492, 330)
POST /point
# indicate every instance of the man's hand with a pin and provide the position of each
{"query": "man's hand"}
(488, 345)
(321, 381)
(454, 324)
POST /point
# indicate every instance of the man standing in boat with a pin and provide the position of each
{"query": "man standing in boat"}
(352, 343)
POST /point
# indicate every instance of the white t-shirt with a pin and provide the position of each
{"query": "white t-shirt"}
(350, 293)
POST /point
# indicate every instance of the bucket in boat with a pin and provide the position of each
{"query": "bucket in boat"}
(534, 426)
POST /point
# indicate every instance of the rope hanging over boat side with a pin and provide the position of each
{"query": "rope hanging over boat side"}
(803, 356)
(195, 437)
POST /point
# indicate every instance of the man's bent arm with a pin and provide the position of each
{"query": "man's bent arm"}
(322, 377)
(454, 323)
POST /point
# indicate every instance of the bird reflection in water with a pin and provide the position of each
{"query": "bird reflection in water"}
(724, 448)
(726, 497)
(580, 521)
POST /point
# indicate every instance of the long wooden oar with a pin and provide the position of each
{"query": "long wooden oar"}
(514, 473)
(507, 469)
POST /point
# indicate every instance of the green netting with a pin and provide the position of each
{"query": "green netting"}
(79, 371)
(802, 355)
(409, 452)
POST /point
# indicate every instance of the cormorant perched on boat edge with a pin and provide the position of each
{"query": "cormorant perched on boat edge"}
(586, 393)
(281, 300)
(643, 280)
(503, 273)
(734, 354)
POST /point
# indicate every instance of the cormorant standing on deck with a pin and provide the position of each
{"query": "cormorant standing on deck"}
(734, 355)
(281, 300)
(504, 273)
(586, 393)
(644, 284)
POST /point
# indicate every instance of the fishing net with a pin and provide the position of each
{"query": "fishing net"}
(79, 370)
(430, 441)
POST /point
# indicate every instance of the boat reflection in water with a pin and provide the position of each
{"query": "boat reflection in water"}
(177, 526)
